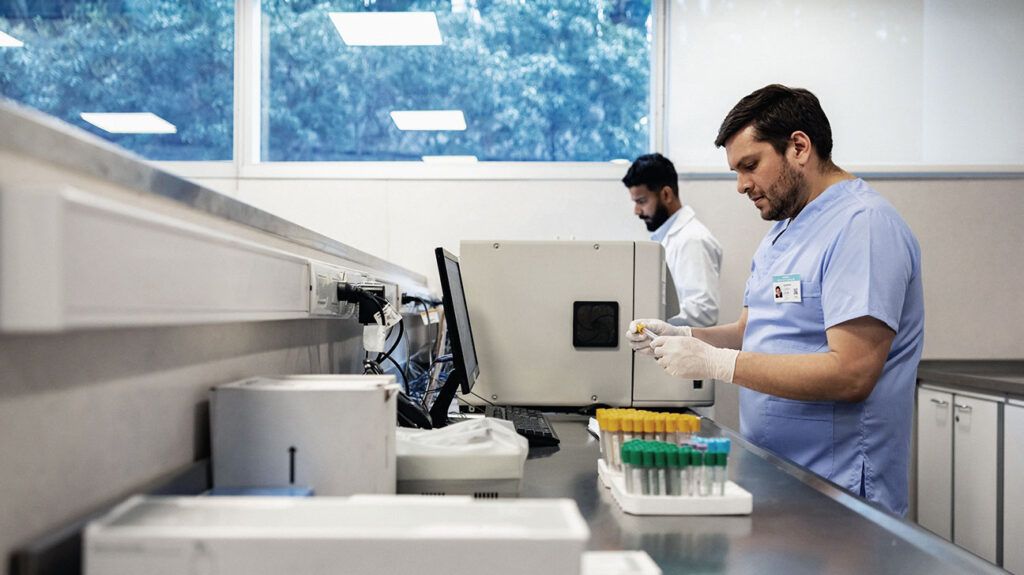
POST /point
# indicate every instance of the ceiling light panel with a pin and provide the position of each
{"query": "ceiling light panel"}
(8, 41)
(130, 123)
(450, 159)
(387, 28)
(437, 120)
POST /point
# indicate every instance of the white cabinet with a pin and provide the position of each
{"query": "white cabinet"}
(976, 475)
(1013, 488)
(935, 461)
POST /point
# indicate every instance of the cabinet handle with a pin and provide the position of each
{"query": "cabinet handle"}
(941, 402)
(962, 407)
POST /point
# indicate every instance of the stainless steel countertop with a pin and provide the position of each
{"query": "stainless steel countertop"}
(800, 523)
(43, 137)
(979, 375)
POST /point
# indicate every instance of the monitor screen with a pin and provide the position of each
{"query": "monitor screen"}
(457, 317)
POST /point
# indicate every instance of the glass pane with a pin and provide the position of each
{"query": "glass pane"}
(537, 80)
(169, 64)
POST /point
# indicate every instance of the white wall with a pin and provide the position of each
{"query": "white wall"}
(968, 230)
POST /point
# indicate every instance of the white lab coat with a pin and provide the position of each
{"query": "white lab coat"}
(694, 259)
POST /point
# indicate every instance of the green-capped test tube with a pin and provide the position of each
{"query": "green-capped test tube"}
(626, 456)
(708, 480)
(684, 470)
(672, 455)
(722, 464)
(649, 477)
(697, 469)
(661, 463)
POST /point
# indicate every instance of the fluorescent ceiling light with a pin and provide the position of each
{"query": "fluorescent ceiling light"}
(8, 41)
(449, 159)
(620, 161)
(129, 123)
(429, 120)
(387, 28)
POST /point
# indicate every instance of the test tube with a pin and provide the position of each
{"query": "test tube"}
(708, 481)
(672, 455)
(659, 427)
(627, 427)
(648, 485)
(626, 456)
(661, 462)
(649, 427)
(685, 470)
(697, 469)
(722, 467)
(615, 443)
(602, 444)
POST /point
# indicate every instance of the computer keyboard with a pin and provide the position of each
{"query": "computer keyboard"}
(530, 423)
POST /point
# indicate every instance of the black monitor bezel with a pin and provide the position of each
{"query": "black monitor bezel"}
(466, 384)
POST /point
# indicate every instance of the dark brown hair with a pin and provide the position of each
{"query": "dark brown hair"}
(776, 111)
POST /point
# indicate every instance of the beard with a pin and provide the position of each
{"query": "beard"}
(660, 216)
(783, 196)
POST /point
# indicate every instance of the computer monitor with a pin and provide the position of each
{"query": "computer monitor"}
(465, 368)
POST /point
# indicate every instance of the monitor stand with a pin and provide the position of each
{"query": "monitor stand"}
(439, 410)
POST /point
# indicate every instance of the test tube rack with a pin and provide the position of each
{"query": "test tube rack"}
(735, 501)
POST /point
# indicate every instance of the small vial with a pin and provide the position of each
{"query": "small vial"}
(599, 415)
(659, 428)
(672, 455)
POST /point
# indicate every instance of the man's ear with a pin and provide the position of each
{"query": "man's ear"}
(667, 195)
(800, 147)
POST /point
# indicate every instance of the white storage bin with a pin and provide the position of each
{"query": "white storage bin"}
(352, 535)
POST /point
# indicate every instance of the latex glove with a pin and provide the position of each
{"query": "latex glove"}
(640, 340)
(691, 358)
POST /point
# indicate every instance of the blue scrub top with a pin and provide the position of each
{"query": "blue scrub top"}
(855, 257)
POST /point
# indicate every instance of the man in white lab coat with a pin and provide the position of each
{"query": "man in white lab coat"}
(693, 255)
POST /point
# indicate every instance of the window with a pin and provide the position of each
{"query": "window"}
(149, 75)
(488, 80)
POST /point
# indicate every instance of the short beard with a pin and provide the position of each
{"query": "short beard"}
(784, 195)
(659, 217)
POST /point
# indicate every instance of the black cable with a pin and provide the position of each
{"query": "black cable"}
(405, 378)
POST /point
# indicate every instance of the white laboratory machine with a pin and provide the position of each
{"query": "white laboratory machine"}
(549, 318)
(332, 433)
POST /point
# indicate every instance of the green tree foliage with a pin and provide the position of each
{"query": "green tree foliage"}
(538, 80)
(172, 58)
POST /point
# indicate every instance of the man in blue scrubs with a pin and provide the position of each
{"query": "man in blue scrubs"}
(827, 345)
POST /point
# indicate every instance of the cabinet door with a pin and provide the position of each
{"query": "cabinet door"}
(935, 461)
(975, 474)
(1013, 489)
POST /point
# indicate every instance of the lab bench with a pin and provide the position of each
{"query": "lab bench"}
(800, 523)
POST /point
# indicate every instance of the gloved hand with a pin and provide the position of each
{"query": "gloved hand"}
(691, 358)
(641, 341)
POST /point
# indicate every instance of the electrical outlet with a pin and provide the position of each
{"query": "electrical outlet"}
(323, 290)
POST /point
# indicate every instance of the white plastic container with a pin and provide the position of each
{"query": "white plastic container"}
(333, 433)
(360, 535)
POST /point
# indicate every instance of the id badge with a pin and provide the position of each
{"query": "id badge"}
(786, 289)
